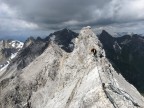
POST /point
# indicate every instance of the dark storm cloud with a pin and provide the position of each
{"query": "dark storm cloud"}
(42, 15)
(52, 13)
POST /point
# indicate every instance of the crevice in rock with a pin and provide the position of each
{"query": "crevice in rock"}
(28, 102)
(123, 93)
(72, 95)
(107, 95)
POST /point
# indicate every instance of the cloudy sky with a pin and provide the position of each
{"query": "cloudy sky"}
(21, 18)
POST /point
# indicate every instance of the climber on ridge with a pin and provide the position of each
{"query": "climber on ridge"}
(94, 51)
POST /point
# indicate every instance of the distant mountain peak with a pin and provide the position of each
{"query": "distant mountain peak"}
(105, 33)
(63, 38)
(31, 38)
(39, 39)
(120, 34)
(66, 29)
(29, 41)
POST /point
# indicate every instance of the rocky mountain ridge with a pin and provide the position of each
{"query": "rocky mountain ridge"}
(35, 47)
(83, 78)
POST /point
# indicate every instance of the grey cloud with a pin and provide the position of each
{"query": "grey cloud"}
(57, 14)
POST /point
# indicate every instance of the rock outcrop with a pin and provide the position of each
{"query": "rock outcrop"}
(83, 78)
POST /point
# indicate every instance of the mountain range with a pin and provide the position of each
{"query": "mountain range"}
(73, 70)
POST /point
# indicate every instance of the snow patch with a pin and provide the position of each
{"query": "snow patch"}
(13, 55)
(5, 66)
(16, 44)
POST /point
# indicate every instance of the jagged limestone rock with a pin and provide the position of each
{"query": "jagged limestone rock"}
(83, 78)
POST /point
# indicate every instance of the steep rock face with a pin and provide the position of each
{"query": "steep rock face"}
(32, 49)
(63, 38)
(127, 55)
(83, 78)
(29, 41)
(8, 51)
